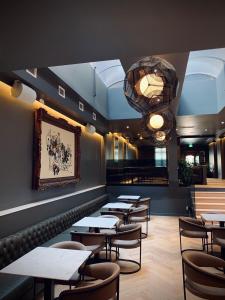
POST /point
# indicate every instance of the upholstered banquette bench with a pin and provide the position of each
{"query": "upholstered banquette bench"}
(45, 233)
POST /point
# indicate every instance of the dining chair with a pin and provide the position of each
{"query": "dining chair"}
(119, 214)
(139, 215)
(105, 287)
(218, 238)
(201, 275)
(127, 237)
(94, 242)
(195, 229)
(147, 202)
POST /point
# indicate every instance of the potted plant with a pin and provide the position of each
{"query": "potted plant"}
(185, 172)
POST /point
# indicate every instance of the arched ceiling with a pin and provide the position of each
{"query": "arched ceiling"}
(110, 72)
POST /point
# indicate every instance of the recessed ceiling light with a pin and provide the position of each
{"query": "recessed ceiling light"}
(141, 137)
(222, 122)
(176, 129)
(128, 127)
(206, 129)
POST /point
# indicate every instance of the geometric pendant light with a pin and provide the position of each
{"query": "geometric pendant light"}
(150, 84)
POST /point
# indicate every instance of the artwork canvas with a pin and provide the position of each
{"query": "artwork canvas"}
(56, 151)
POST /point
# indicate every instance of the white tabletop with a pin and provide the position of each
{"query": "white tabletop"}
(128, 197)
(117, 205)
(49, 263)
(96, 222)
(213, 217)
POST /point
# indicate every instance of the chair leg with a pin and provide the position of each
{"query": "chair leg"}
(118, 289)
(180, 245)
(184, 288)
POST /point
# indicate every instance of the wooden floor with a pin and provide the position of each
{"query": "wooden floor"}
(161, 276)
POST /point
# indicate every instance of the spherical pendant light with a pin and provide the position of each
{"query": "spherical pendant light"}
(160, 120)
(156, 121)
(150, 84)
(160, 136)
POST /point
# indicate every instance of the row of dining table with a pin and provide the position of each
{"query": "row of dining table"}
(62, 264)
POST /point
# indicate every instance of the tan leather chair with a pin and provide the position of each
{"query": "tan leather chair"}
(218, 238)
(94, 242)
(201, 275)
(145, 201)
(127, 237)
(72, 246)
(139, 215)
(119, 214)
(193, 228)
(105, 288)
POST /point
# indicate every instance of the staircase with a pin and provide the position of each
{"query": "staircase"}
(208, 200)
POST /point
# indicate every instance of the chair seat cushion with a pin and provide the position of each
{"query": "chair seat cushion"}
(125, 244)
(12, 287)
(219, 241)
(206, 292)
(194, 234)
(108, 231)
(138, 219)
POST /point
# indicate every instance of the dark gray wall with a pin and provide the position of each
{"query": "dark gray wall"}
(165, 200)
(19, 220)
(16, 150)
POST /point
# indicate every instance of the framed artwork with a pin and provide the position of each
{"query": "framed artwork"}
(56, 151)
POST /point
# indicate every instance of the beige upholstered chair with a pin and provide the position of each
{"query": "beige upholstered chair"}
(94, 242)
(106, 286)
(72, 246)
(119, 214)
(201, 275)
(139, 215)
(145, 201)
(193, 228)
(127, 237)
(218, 238)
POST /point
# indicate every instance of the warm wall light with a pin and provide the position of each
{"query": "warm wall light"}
(23, 92)
(156, 121)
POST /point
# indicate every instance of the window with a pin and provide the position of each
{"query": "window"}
(190, 159)
(160, 157)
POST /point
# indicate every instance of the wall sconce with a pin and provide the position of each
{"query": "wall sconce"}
(23, 92)
(90, 128)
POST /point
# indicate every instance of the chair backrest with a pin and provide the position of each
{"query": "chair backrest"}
(144, 201)
(195, 264)
(128, 232)
(119, 221)
(69, 245)
(218, 233)
(141, 211)
(106, 288)
(118, 214)
(88, 238)
(191, 224)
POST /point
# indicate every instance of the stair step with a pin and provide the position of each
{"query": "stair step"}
(209, 200)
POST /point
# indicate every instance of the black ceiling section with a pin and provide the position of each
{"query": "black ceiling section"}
(46, 86)
(47, 33)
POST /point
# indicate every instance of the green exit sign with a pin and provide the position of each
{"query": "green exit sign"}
(190, 145)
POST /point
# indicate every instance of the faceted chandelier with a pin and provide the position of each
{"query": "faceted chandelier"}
(150, 84)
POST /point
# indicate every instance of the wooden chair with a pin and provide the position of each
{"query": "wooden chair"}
(199, 277)
(145, 201)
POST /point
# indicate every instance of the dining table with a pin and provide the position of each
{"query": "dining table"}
(48, 264)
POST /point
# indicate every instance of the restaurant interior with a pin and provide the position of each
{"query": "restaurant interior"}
(112, 150)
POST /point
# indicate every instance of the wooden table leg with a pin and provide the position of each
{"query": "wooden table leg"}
(48, 289)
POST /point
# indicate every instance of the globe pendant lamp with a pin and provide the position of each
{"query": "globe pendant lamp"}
(150, 84)
(160, 120)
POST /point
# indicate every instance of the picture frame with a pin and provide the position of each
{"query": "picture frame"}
(56, 151)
